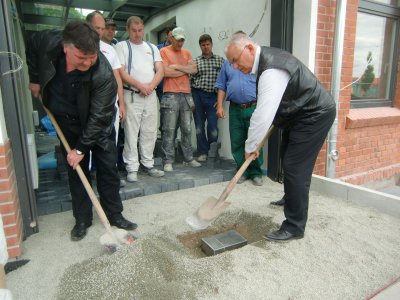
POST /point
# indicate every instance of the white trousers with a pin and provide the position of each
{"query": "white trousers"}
(140, 125)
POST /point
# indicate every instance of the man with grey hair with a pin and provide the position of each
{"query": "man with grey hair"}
(290, 97)
(142, 71)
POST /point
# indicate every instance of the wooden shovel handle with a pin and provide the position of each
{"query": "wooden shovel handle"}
(82, 176)
(243, 168)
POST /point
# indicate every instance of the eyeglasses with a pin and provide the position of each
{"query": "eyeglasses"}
(235, 60)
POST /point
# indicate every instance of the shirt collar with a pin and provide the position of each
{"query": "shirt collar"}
(202, 56)
(254, 70)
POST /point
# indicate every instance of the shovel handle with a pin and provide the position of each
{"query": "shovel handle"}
(243, 168)
(78, 169)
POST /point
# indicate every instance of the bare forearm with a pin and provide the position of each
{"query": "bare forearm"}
(158, 76)
(169, 72)
(119, 83)
(190, 68)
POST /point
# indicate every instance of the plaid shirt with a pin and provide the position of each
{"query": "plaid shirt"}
(207, 72)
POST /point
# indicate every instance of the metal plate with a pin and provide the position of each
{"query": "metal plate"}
(222, 242)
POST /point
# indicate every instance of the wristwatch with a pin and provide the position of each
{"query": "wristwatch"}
(78, 152)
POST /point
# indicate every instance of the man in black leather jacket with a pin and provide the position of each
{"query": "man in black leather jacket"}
(76, 83)
(292, 98)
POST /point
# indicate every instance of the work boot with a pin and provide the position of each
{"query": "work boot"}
(120, 222)
(280, 202)
(79, 231)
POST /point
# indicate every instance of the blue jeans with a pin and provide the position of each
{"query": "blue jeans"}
(205, 110)
(174, 107)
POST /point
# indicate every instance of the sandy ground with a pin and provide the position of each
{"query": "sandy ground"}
(348, 252)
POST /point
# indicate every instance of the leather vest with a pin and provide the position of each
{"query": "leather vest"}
(304, 97)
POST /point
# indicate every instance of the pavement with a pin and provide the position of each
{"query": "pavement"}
(361, 248)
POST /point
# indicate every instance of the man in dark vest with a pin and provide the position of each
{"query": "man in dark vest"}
(290, 97)
(76, 83)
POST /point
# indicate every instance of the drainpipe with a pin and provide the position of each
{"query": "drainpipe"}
(332, 152)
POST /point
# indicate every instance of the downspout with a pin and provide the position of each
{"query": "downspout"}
(332, 152)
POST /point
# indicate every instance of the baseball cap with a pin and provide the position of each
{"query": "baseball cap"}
(109, 21)
(178, 33)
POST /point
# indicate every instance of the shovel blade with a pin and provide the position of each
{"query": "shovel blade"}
(207, 213)
(115, 239)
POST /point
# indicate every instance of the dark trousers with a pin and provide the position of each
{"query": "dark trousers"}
(106, 174)
(205, 111)
(239, 123)
(301, 144)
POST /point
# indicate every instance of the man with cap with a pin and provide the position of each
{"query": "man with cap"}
(177, 102)
(109, 32)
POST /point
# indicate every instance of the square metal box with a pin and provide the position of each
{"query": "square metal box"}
(222, 242)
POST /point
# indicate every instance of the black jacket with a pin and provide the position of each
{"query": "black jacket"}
(96, 97)
(304, 98)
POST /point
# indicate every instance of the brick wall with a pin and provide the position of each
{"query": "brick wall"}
(9, 202)
(323, 59)
(368, 139)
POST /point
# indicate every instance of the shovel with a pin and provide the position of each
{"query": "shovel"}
(213, 207)
(114, 238)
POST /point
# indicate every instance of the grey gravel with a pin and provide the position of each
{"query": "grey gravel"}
(348, 252)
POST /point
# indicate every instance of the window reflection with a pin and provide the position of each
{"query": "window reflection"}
(373, 56)
(390, 2)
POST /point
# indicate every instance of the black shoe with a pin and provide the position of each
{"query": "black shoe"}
(123, 223)
(279, 202)
(282, 235)
(79, 230)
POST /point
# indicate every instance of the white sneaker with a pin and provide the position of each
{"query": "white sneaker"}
(153, 172)
(193, 163)
(202, 157)
(132, 177)
(168, 168)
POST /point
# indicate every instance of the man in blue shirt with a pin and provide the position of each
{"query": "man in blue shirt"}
(240, 90)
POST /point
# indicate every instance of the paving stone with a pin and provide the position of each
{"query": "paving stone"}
(169, 186)
(228, 174)
(151, 189)
(186, 184)
(55, 193)
(133, 191)
(201, 181)
(215, 178)
(66, 205)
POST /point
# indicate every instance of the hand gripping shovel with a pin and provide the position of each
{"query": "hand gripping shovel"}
(113, 239)
(213, 207)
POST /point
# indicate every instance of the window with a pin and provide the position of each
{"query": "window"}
(375, 54)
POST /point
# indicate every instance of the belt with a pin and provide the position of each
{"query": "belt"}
(67, 117)
(132, 90)
(244, 105)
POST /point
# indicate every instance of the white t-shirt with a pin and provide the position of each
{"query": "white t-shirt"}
(111, 55)
(142, 64)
